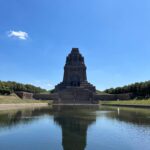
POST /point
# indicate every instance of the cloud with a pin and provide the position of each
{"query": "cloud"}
(43, 84)
(50, 85)
(18, 34)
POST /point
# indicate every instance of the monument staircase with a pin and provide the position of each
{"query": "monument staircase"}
(75, 95)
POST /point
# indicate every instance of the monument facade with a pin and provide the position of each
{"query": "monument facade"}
(75, 88)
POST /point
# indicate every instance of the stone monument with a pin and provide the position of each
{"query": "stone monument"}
(74, 88)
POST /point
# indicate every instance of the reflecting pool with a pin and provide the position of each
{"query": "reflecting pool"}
(75, 128)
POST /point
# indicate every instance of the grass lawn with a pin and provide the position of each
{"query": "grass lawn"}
(129, 102)
(13, 99)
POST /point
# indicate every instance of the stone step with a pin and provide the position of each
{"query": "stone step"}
(75, 95)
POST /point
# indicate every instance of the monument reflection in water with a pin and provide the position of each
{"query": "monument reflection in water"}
(85, 128)
(74, 122)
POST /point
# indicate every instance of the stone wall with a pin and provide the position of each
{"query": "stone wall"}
(52, 96)
(24, 95)
(64, 96)
(42, 96)
(126, 96)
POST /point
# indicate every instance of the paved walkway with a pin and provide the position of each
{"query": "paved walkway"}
(20, 106)
(128, 105)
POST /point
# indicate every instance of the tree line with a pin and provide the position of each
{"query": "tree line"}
(138, 89)
(8, 87)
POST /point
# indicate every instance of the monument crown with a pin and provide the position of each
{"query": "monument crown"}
(74, 58)
(75, 69)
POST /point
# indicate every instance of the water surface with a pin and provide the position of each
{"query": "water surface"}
(75, 128)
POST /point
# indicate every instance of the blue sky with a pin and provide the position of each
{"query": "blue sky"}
(112, 35)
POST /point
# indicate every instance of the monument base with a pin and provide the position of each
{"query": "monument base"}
(74, 95)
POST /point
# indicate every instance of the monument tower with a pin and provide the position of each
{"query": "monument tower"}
(75, 88)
